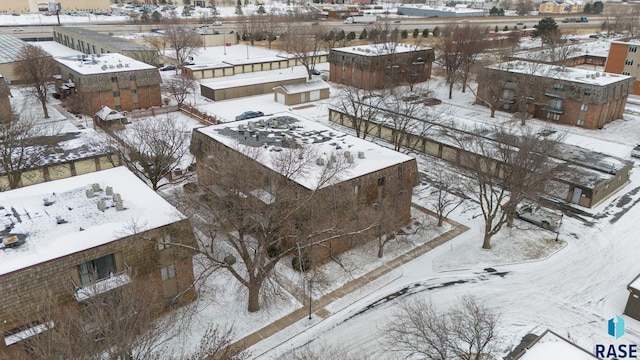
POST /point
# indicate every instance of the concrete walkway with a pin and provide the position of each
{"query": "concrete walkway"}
(318, 306)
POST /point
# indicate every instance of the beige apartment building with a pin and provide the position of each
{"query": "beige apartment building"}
(34, 7)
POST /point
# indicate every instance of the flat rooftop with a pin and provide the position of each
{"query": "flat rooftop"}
(589, 77)
(380, 49)
(81, 225)
(116, 42)
(102, 63)
(288, 132)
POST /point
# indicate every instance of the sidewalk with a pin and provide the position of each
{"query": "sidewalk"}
(318, 306)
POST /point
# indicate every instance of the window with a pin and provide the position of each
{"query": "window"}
(555, 104)
(134, 91)
(558, 86)
(508, 94)
(381, 181)
(628, 62)
(580, 122)
(132, 77)
(626, 73)
(97, 269)
(118, 107)
(168, 272)
(633, 49)
(583, 107)
(587, 91)
(114, 79)
(552, 116)
(356, 189)
(164, 242)
(116, 94)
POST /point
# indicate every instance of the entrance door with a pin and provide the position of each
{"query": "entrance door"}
(577, 192)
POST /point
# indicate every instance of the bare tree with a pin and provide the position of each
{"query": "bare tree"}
(362, 106)
(305, 43)
(252, 27)
(180, 87)
(184, 42)
(271, 25)
(24, 143)
(410, 121)
(442, 199)
(496, 90)
(524, 7)
(471, 40)
(36, 68)
(263, 216)
(467, 331)
(152, 148)
(449, 57)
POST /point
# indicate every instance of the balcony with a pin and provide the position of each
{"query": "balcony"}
(102, 286)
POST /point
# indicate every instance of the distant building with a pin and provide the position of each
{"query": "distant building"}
(549, 345)
(565, 95)
(74, 236)
(112, 80)
(91, 42)
(379, 66)
(40, 6)
(441, 11)
(301, 93)
(561, 7)
(624, 59)
(378, 181)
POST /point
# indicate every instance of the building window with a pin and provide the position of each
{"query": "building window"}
(558, 86)
(381, 181)
(552, 116)
(118, 107)
(555, 104)
(114, 79)
(587, 91)
(132, 77)
(628, 62)
(168, 272)
(583, 107)
(164, 242)
(116, 94)
(134, 91)
(580, 122)
(97, 269)
(626, 73)
(633, 49)
(356, 189)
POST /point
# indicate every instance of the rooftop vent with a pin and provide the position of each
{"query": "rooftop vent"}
(126, 65)
(104, 67)
(360, 154)
(119, 65)
(60, 220)
(109, 191)
(320, 161)
(11, 241)
(95, 187)
(47, 202)
(102, 205)
(111, 66)
(117, 197)
(119, 206)
(90, 193)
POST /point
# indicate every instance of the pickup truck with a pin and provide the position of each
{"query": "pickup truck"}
(545, 218)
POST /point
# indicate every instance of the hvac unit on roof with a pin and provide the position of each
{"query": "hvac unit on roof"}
(360, 154)
(60, 220)
(117, 197)
(320, 161)
(104, 67)
(102, 205)
(109, 191)
(119, 65)
(126, 65)
(95, 187)
(111, 66)
(90, 193)
(119, 206)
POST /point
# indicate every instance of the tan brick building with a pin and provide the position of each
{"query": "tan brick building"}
(40, 6)
(74, 238)
(570, 96)
(373, 192)
(379, 66)
(561, 7)
(624, 59)
(112, 80)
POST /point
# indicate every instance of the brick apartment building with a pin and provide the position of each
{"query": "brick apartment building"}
(112, 80)
(379, 66)
(570, 96)
(374, 192)
(624, 59)
(74, 238)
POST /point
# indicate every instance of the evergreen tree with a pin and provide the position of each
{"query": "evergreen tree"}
(496, 30)
(351, 36)
(505, 28)
(404, 34)
(425, 33)
(238, 9)
(261, 10)
(501, 12)
(597, 7)
(494, 11)
(342, 35)
(145, 18)
(436, 31)
(416, 32)
(156, 17)
(214, 11)
(587, 8)
(363, 34)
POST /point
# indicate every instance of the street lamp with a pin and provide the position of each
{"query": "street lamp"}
(560, 224)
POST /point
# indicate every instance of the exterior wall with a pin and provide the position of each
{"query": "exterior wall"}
(295, 99)
(551, 7)
(623, 59)
(23, 289)
(586, 105)
(248, 90)
(349, 205)
(632, 309)
(369, 72)
(64, 170)
(33, 7)
(7, 72)
(590, 196)
(204, 72)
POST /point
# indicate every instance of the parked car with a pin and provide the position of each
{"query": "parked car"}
(217, 23)
(519, 23)
(540, 216)
(636, 151)
(18, 29)
(15, 14)
(249, 115)
(411, 97)
(168, 68)
(315, 72)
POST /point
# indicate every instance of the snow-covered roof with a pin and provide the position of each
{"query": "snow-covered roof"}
(635, 284)
(109, 114)
(300, 88)
(120, 44)
(255, 78)
(380, 49)
(274, 133)
(10, 46)
(102, 63)
(553, 346)
(81, 225)
(56, 49)
(599, 48)
(576, 75)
